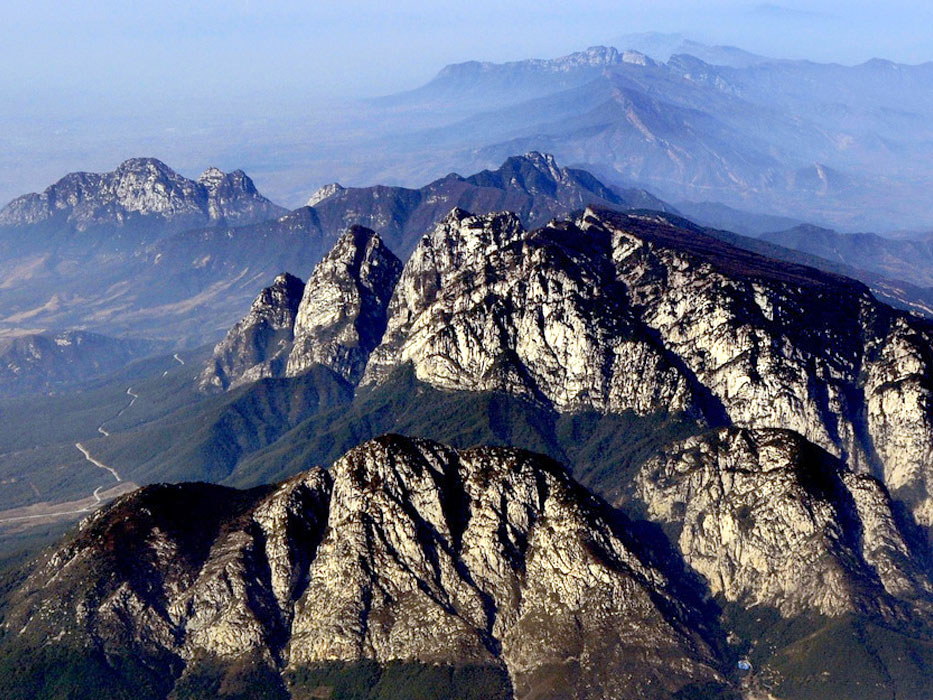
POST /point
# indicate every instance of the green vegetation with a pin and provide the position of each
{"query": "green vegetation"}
(811, 657)
(604, 450)
(250, 678)
(367, 680)
(58, 672)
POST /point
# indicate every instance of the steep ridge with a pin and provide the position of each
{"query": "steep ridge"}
(342, 314)
(533, 186)
(335, 320)
(711, 328)
(638, 313)
(258, 345)
(143, 198)
(190, 277)
(771, 520)
(426, 556)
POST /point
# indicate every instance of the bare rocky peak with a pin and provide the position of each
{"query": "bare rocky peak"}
(258, 345)
(335, 320)
(619, 312)
(142, 190)
(407, 551)
(769, 519)
(324, 192)
(483, 305)
(342, 315)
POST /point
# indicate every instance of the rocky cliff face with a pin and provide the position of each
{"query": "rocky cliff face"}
(769, 519)
(258, 345)
(623, 312)
(619, 312)
(406, 551)
(335, 320)
(342, 315)
(141, 192)
(483, 305)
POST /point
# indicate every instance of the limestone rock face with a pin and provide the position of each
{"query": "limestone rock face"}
(634, 312)
(617, 312)
(258, 345)
(770, 519)
(342, 315)
(408, 550)
(484, 305)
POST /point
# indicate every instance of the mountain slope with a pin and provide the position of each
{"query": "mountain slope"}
(38, 363)
(487, 557)
(559, 317)
(898, 259)
(192, 286)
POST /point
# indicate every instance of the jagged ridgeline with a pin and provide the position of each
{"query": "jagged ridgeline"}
(749, 442)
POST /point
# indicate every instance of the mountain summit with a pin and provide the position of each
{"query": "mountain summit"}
(142, 194)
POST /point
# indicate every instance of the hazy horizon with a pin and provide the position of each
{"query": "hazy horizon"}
(89, 85)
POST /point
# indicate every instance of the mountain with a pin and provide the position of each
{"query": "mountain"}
(485, 572)
(533, 186)
(142, 199)
(759, 431)
(900, 259)
(192, 285)
(787, 138)
(427, 557)
(559, 316)
(41, 362)
(334, 321)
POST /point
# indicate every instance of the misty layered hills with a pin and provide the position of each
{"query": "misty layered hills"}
(533, 186)
(901, 259)
(791, 138)
(192, 285)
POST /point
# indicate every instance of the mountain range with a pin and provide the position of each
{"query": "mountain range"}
(845, 146)
(747, 481)
(161, 272)
(745, 427)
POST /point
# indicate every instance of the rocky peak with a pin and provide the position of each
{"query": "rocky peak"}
(636, 58)
(342, 315)
(211, 178)
(258, 345)
(770, 519)
(484, 305)
(324, 192)
(618, 312)
(409, 551)
(142, 192)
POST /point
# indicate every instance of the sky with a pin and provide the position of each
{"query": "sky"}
(81, 82)
(365, 47)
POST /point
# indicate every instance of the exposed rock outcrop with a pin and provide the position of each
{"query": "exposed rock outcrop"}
(342, 315)
(769, 519)
(142, 192)
(407, 551)
(258, 345)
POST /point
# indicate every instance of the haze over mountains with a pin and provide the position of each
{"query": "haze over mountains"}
(180, 260)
